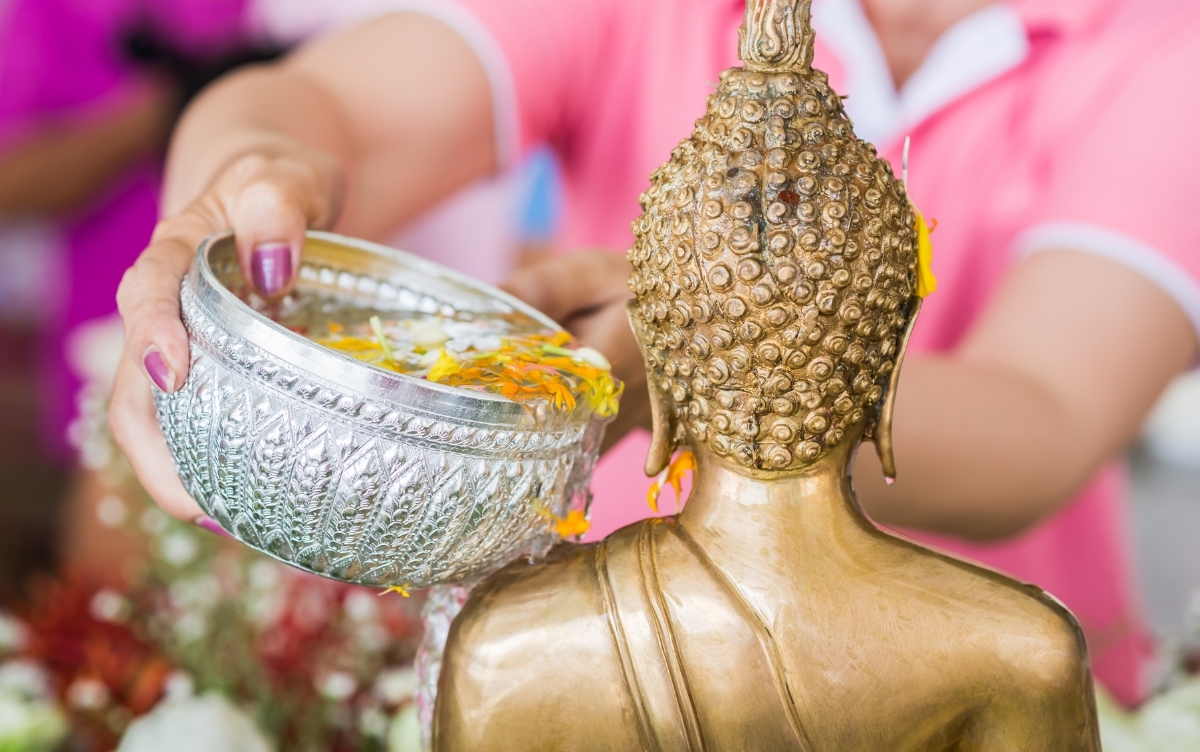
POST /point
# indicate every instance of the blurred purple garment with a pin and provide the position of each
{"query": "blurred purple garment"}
(67, 57)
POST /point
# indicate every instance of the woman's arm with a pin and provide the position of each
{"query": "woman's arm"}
(66, 162)
(401, 105)
(385, 119)
(1053, 380)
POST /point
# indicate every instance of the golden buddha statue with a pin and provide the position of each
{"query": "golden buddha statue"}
(775, 268)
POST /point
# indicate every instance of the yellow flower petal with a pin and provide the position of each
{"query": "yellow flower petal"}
(926, 282)
(574, 524)
(655, 490)
(445, 367)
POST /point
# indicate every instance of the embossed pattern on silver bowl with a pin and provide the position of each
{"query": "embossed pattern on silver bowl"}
(348, 470)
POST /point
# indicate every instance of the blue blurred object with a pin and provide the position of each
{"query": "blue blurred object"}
(539, 201)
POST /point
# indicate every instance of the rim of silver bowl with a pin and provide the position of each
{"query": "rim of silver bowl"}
(347, 373)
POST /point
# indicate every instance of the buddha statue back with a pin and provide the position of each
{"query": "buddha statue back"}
(775, 271)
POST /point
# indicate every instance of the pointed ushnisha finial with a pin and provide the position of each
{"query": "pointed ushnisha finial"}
(777, 35)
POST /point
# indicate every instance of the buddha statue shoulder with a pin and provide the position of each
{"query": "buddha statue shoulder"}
(775, 272)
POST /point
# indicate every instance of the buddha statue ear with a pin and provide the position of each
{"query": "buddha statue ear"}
(883, 426)
(664, 420)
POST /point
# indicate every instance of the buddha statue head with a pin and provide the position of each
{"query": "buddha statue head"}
(774, 268)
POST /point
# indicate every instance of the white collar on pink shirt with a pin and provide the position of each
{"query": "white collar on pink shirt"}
(977, 49)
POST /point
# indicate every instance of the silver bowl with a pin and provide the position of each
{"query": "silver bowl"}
(348, 470)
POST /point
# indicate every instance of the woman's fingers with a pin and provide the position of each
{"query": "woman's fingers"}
(133, 424)
(586, 293)
(564, 287)
(148, 300)
(270, 203)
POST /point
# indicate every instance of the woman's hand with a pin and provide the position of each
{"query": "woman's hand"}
(586, 293)
(269, 200)
(271, 151)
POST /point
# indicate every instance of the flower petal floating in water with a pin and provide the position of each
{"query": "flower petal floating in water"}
(519, 368)
(428, 334)
(444, 367)
(593, 358)
(377, 327)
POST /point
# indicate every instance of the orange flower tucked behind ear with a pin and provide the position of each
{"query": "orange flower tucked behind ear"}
(684, 462)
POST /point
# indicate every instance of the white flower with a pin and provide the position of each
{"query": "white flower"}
(427, 334)
(361, 606)
(264, 599)
(195, 593)
(179, 686)
(428, 359)
(13, 633)
(488, 342)
(263, 607)
(178, 548)
(1167, 723)
(371, 637)
(93, 350)
(199, 724)
(153, 521)
(337, 686)
(405, 733)
(190, 627)
(108, 605)
(592, 358)
(394, 686)
(265, 574)
(111, 511)
(87, 694)
(30, 726)
(24, 678)
(373, 722)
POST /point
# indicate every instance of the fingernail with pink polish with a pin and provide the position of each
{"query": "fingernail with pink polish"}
(271, 267)
(159, 369)
(209, 524)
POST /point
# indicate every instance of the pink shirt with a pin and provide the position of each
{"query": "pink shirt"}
(1026, 125)
(64, 58)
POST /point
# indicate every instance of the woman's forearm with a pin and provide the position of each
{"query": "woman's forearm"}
(265, 110)
(1053, 381)
(402, 139)
(979, 453)
(65, 163)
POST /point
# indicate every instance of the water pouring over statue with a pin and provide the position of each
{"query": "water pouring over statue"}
(777, 279)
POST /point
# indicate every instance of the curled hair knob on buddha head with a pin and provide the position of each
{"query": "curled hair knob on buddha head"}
(773, 267)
